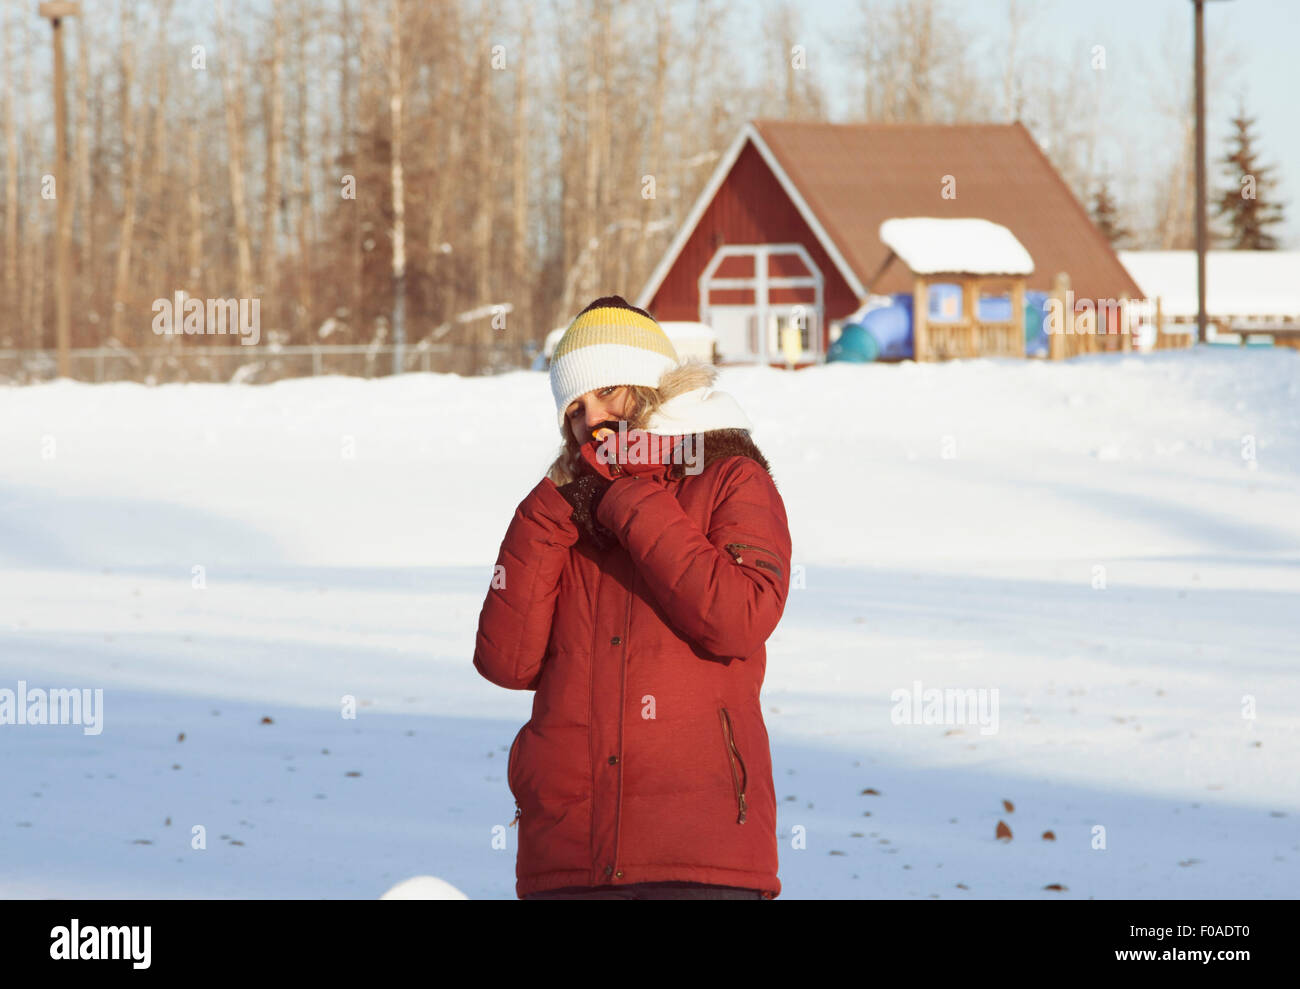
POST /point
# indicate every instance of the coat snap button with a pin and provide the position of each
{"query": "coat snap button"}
(613, 760)
(615, 641)
(619, 874)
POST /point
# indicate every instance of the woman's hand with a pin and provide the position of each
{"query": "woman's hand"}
(584, 496)
(603, 455)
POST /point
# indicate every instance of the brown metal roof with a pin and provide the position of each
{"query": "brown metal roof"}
(854, 176)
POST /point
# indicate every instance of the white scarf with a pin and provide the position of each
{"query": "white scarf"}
(697, 411)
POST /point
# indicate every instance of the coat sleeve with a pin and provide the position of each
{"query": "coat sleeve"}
(725, 590)
(514, 626)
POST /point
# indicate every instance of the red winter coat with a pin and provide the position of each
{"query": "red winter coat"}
(646, 758)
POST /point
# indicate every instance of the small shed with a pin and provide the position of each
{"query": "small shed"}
(975, 254)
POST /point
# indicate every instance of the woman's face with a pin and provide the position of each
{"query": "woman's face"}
(596, 406)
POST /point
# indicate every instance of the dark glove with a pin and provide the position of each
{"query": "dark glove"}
(584, 495)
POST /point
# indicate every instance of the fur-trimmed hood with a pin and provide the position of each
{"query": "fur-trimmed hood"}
(717, 444)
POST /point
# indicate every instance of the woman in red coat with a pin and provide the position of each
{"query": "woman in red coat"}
(634, 592)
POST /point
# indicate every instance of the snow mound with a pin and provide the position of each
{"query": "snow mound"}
(424, 888)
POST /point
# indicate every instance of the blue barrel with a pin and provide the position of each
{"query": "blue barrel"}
(891, 328)
(854, 345)
(1035, 324)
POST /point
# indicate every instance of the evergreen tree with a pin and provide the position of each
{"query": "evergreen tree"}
(1105, 213)
(1247, 205)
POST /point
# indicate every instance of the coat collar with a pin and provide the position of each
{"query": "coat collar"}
(675, 457)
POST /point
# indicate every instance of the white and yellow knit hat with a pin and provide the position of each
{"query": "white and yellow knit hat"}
(611, 342)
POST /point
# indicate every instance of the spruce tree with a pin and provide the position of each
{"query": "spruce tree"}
(1247, 203)
(1105, 213)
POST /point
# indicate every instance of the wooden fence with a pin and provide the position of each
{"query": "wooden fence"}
(1105, 325)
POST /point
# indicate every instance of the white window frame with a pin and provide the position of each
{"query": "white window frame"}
(760, 284)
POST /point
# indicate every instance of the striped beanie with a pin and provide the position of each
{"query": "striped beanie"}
(611, 342)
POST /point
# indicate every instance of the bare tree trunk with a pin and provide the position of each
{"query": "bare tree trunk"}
(450, 115)
(84, 282)
(1176, 229)
(31, 280)
(585, 263)
(194, 252)
(11, 185)
(133, 145)
(365, 98)
(519, 256)
(165, 260)
(233, 98)
(663, 38)
(399, 194)
(1010, 77)
(306, 208)
(269, 272)
(485, 166)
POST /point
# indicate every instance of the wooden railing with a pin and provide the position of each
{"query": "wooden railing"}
(963, 339)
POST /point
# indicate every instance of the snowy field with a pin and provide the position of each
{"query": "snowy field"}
(1112, 543)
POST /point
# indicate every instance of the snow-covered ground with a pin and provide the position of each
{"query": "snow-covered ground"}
(1091, 539)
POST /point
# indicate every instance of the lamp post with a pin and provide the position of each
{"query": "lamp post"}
(1199, 58)
(56, 10)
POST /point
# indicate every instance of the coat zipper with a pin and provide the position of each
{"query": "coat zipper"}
(735, 550)
(622, 691)
(733, 755)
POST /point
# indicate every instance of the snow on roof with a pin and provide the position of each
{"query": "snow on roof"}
(1237, 283)
(930, 246)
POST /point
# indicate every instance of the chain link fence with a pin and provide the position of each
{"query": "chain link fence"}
(261, 364)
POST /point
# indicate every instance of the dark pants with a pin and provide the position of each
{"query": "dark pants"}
(649, 891)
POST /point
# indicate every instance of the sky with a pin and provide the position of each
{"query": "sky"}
(1143, 39)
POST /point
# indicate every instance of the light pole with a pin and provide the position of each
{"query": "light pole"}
(1199, 57)
(56, 10)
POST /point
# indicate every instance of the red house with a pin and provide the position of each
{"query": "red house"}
(786, 231)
